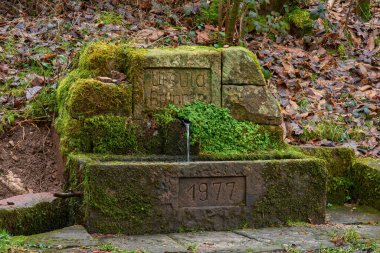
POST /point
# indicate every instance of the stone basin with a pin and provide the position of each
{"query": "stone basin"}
(159, 194)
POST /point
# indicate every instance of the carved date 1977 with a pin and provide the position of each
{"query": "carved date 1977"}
(211, 191)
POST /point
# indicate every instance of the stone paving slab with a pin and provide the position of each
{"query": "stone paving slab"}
(150, 243)
(69, 237)
(281, 238)
(220, 242)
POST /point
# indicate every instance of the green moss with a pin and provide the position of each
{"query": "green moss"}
(111, 134)
(89, 97)
(112, 205)
(37, 219)
(300, 19)
(339, 162)
(286, 196)
(101, 58)
(73, 136)
(365, 174)
(65, 84)
(108, 18)
(217, 131)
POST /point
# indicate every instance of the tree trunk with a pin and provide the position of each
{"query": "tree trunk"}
(230, 29)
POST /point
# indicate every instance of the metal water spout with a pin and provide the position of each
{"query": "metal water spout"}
(187, 124)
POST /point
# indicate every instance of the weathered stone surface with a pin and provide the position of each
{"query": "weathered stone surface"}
(241, 67)
(365, 174)
(69, 237)
(145, 243)
(32, 213)
(213, 195)
(252, 103)
(352, 215)
(338, 161)
(175, 76)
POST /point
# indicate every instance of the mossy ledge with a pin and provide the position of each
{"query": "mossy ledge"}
(365, 175)
(36, 219)
(338, 163)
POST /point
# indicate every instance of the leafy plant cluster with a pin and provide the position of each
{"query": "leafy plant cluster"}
(252, 18)
(215, 130)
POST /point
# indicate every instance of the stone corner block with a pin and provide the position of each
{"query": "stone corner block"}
(252, 103)
(241, 67)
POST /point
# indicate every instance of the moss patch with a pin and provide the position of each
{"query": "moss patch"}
(37, 219)
(339, 162)
(300, 19)
(101, 58)
(366, 178)
(89, 97)
(287, 199)
(107, 201)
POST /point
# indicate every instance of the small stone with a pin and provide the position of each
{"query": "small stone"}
(11, 143)
(15, 158)
(10, 203)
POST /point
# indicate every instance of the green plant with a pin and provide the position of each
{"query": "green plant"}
(331, 131)
(351, 235)
(209, 13)
(342, 51)
(300, 19)
(304, 104)
(216, 131)
(44, 105)
(9, 243)
(109, 18)
(107, 247)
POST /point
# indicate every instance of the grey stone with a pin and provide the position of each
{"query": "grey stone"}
(148, 243)
(252, 103)
(74, 236)
(221, 242)
(300, 237)
(176, 76)
(241, 67)
(353, 215)
(26, 200)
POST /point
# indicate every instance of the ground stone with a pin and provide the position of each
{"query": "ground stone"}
(69, 237)
(148, 243)
(252, 103)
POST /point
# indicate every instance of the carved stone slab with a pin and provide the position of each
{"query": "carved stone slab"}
(177, 76)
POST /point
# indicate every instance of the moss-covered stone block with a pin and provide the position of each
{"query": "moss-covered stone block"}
(365, 175)
(32, 214)
(252, 103)
(339, 162)
(101, 58)
(241, 67)
(136, 195)
(89, 97)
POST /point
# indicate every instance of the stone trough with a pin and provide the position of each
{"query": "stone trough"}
(149, 195)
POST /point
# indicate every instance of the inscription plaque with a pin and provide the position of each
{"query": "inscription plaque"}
(212, 191)
(176, 85)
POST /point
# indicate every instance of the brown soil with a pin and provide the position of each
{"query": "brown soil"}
(30, 161)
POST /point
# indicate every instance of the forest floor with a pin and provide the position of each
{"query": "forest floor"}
(327, 82)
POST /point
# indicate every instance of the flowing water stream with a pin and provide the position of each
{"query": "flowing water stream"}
(187, 124)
